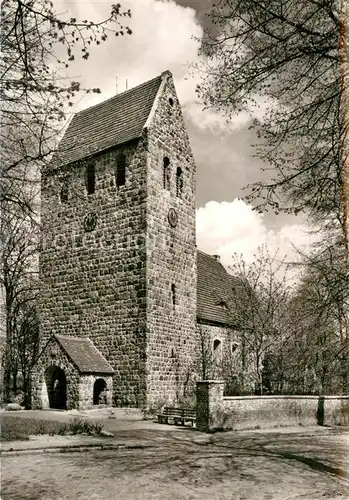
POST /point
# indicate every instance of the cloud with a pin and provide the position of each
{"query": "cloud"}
(234, 227)
(165, 35)
(162, 38)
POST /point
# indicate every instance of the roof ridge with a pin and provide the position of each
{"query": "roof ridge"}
(87, 358)
(70, 337)
(117, 95)
(205, 253)
(212, 257)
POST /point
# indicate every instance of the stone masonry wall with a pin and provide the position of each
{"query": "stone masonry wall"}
(86, 386)
(214, 411)
(113, 283)
(210, 335)
(93, 282)
(171, 253)
(54, 355)
(227, 361)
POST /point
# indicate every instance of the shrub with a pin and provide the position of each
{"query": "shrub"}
(77, 426)
(12, 429)
(18, 397)
(188, 401)
(80, 426)
(62, 430)
(154, 408)
(96, 428)
(15, 428)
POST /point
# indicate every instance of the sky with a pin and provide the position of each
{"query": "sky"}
(166, 35)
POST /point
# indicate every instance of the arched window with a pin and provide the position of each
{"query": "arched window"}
(121, 170)
(91, 178)
(64, 194)
(166, 173)
(99, 391)
(173, 294)
(179, 182)
(217, 347)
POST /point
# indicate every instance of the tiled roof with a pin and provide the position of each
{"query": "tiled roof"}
(84, 354)
(214, 288)
(114, 121)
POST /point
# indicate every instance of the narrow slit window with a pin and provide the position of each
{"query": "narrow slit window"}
(179, 182)
(64, 194)
(217, 346)
(166, 173)
(234, 347)
(91, 178)
(173, 294)
(121, 171)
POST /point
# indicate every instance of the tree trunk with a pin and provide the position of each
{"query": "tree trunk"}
(7, 375)
(14, 381)
(344, 112)
(8, 359)
(259, 376)
(344, 78)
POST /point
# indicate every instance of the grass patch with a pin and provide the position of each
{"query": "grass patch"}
(19, 429)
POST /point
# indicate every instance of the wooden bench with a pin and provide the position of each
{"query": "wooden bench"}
(178, 415)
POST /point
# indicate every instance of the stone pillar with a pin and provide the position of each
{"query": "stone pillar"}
(209, 394)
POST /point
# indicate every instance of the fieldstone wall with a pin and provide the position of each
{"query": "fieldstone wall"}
(54, 356)
(225, 358)
(86, 386)
(113, 280)
(219, 342)
(93, 281)
(171, 252)
(79, 386)
(214, 411)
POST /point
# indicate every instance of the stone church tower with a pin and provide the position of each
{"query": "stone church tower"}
(118, 261)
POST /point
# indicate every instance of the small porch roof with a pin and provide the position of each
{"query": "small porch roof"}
(84, 354)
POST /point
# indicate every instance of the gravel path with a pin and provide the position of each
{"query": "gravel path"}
(187, 465)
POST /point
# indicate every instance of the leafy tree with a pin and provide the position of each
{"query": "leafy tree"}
(204, 355)
(35, 91)
(228, 362)
(321, 305)
(287, 338)
(19, 281)
(38, 47)
(313, 354)
(258, 310)
(292, 55)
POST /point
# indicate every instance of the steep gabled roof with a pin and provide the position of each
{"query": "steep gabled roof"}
(214, 290)
(84, 354)
(110, 123)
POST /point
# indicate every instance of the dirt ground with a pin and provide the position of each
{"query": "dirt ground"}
(181, 464)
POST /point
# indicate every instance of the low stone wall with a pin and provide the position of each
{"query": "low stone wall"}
(214, 411)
